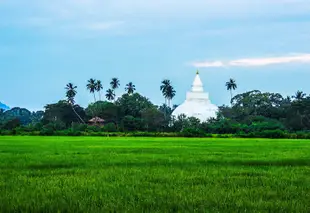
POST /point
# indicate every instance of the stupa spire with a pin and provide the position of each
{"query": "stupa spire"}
(197, 85)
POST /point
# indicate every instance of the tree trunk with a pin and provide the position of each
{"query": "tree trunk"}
(77, 115)
(231, 97)
(95, 97)
(99, 96)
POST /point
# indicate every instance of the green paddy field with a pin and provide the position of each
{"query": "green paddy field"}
(84, 174)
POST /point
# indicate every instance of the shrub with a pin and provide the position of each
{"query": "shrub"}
(273, 134)
(12, 124)
(6, 132)
(192, 132)
(264, 134)
(79, 127)
(93, 129)
(110, 127)
(45, 131)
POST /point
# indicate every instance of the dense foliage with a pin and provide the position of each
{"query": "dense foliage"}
(250, 114)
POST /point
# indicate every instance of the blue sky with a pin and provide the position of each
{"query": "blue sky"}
(263, 44)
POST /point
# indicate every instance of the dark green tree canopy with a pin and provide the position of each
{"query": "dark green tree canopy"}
(62, 112)
(105, 110)
(134, 104)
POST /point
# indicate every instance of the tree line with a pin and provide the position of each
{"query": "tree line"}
(250, 114)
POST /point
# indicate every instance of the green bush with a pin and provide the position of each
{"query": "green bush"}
(93, 129)
(11, 124)
(264, 134)
(273, 134)
(110, 127)
(224, 135)
(79, 127)
(192, 132)
(6, 132)
(49, 130)
(45, 131)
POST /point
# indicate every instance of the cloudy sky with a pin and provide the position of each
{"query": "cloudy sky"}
(44, 44)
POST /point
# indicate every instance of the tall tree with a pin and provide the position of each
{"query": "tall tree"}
(130, 88)
(133, 104)
(62, 113)
(70, 94)
(231, 85)
(98, 87)
(164, 87)
(299, 95)
(166, 110)
(105, 110)
(153, 119)
(170, 93)
(110, 95)
(91, 86)
(115, 83)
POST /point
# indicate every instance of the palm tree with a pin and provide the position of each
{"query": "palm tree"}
(166, 110)
(130, 88)
(299, 95)
(98, 88)
(174, 106)
(91, 86)
(110, 95)
(170, 94)
(163, 88)
(287, 100)
(114, 83)
(231, 85)
(70, 94)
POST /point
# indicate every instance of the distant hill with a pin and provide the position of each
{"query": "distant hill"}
(3, 106)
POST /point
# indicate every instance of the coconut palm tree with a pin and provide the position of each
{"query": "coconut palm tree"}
(130, 88)
(163, 88)
(170, 94)
(166, 110)
(99, 87)
(174, 106)
(70, 94)
(110, 95)
(299, 95)
(91, 86)
(115, 83)
(231, 85)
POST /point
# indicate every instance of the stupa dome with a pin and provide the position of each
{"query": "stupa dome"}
(197, 103)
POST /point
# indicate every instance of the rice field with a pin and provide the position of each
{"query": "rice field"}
(93, 174)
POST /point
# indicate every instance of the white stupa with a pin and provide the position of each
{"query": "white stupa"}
(197, 103)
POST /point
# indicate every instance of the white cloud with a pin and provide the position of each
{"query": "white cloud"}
(208, 64)
(254, 62)
(304, 58)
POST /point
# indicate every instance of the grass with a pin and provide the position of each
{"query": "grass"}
(67, 174)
